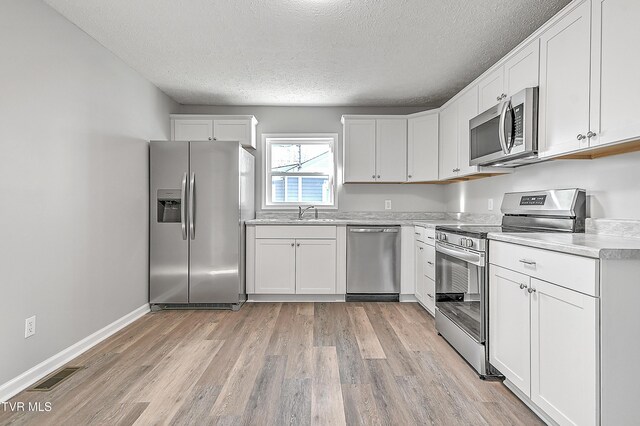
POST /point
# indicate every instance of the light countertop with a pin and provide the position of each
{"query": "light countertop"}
(359, 221)
(588, 245)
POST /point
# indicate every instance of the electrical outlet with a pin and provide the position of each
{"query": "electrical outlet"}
(387, 204)
(490, 204)
(30, 326)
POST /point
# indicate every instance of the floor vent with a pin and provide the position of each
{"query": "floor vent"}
(54, 379)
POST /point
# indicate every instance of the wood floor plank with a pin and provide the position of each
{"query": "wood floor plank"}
(262, 407)
(360, 405)
(327, 407)
(366, 337)
(295, 403)
(281, 364)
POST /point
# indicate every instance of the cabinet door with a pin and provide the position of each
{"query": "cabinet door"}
(615, 86)
(275, 266)
(564, 348)
(564, 84)
(509, 326)
(422, 148)
(420, 277)
(359, 151)
(315, 266)
(192, 130)
(491, 89)
(448, 143)
(467, 109)
(522, 69)
(391, 150)
(234, 130)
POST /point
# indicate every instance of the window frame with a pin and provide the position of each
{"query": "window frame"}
(310, 138)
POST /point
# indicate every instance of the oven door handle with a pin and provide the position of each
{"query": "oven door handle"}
(473, 258)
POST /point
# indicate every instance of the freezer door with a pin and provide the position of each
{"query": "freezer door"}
(168, 243)
(214, 221)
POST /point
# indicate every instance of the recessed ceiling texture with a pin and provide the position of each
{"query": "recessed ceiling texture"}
(309, 52)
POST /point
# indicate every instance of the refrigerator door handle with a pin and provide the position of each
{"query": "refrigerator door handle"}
(192, 226)
(183, 206)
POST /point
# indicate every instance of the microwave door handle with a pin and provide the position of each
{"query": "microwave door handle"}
(501, 132)
(512, 137)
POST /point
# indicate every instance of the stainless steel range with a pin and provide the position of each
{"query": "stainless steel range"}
(462, 302)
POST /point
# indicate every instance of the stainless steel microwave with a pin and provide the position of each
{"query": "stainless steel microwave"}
(506, 135)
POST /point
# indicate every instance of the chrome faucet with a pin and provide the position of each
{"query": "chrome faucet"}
(302, 211)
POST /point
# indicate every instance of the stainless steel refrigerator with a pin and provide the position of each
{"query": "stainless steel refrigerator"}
(201, 195)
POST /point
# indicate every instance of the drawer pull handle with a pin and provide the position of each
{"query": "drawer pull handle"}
(527, 262)
(417, 233)
(523, 286)
(430, 296)
(430, 263)
(431, 238)
(531, 290)
(421, 248)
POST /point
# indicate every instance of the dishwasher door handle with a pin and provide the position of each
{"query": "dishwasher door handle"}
(374, 230)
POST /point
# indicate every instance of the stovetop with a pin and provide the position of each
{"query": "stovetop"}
(481, 231)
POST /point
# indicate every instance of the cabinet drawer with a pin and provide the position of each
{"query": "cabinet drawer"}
(420, 233)
(430, 235)
(430, 296)
(295, 231)
(430, 262)
(574, 272)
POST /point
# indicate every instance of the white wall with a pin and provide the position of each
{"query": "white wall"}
(75, 121)
(351, 197)
(612, 185)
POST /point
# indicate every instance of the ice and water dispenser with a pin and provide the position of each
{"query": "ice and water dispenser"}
(169, 205)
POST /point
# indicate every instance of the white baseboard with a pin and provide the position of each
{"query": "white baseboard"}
(48, 366)
(408, 298)
(276, 298)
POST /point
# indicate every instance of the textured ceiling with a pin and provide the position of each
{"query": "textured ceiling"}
(309, 52)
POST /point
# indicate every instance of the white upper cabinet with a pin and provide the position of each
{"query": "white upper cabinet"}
(422, 148)
(565, 58)
(359, 150)
(448, 145)
(520, 70)
(375, 149)
(192, 130)
(240, 128)
(391, 150)
(467, 109)
(615, 60)
(491, 89)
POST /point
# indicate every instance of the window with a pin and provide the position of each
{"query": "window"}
(299, 170)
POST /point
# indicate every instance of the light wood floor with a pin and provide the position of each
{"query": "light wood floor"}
(272, 363)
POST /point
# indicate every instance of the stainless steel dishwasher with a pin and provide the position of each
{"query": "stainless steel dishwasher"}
(373, 263)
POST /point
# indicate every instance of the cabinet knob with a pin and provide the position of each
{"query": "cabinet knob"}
(590, 134)
(580, 136)
(531, 290)
(298, 245)
(210, 138)
(378, 176)
(373, 176)
(498, 98)
(292, 244)
(522, 286)
(409, 176)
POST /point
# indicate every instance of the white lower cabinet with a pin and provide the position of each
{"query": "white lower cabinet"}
(425, 276)
(295, 266)
(275, 266)
(421, 282)
(509, 326)
(564, 345)
(315, 266)
(544, 339)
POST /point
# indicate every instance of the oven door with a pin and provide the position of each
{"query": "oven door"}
(461, 288)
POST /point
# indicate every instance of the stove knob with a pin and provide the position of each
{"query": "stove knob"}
(443, 237)
(469, 242)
